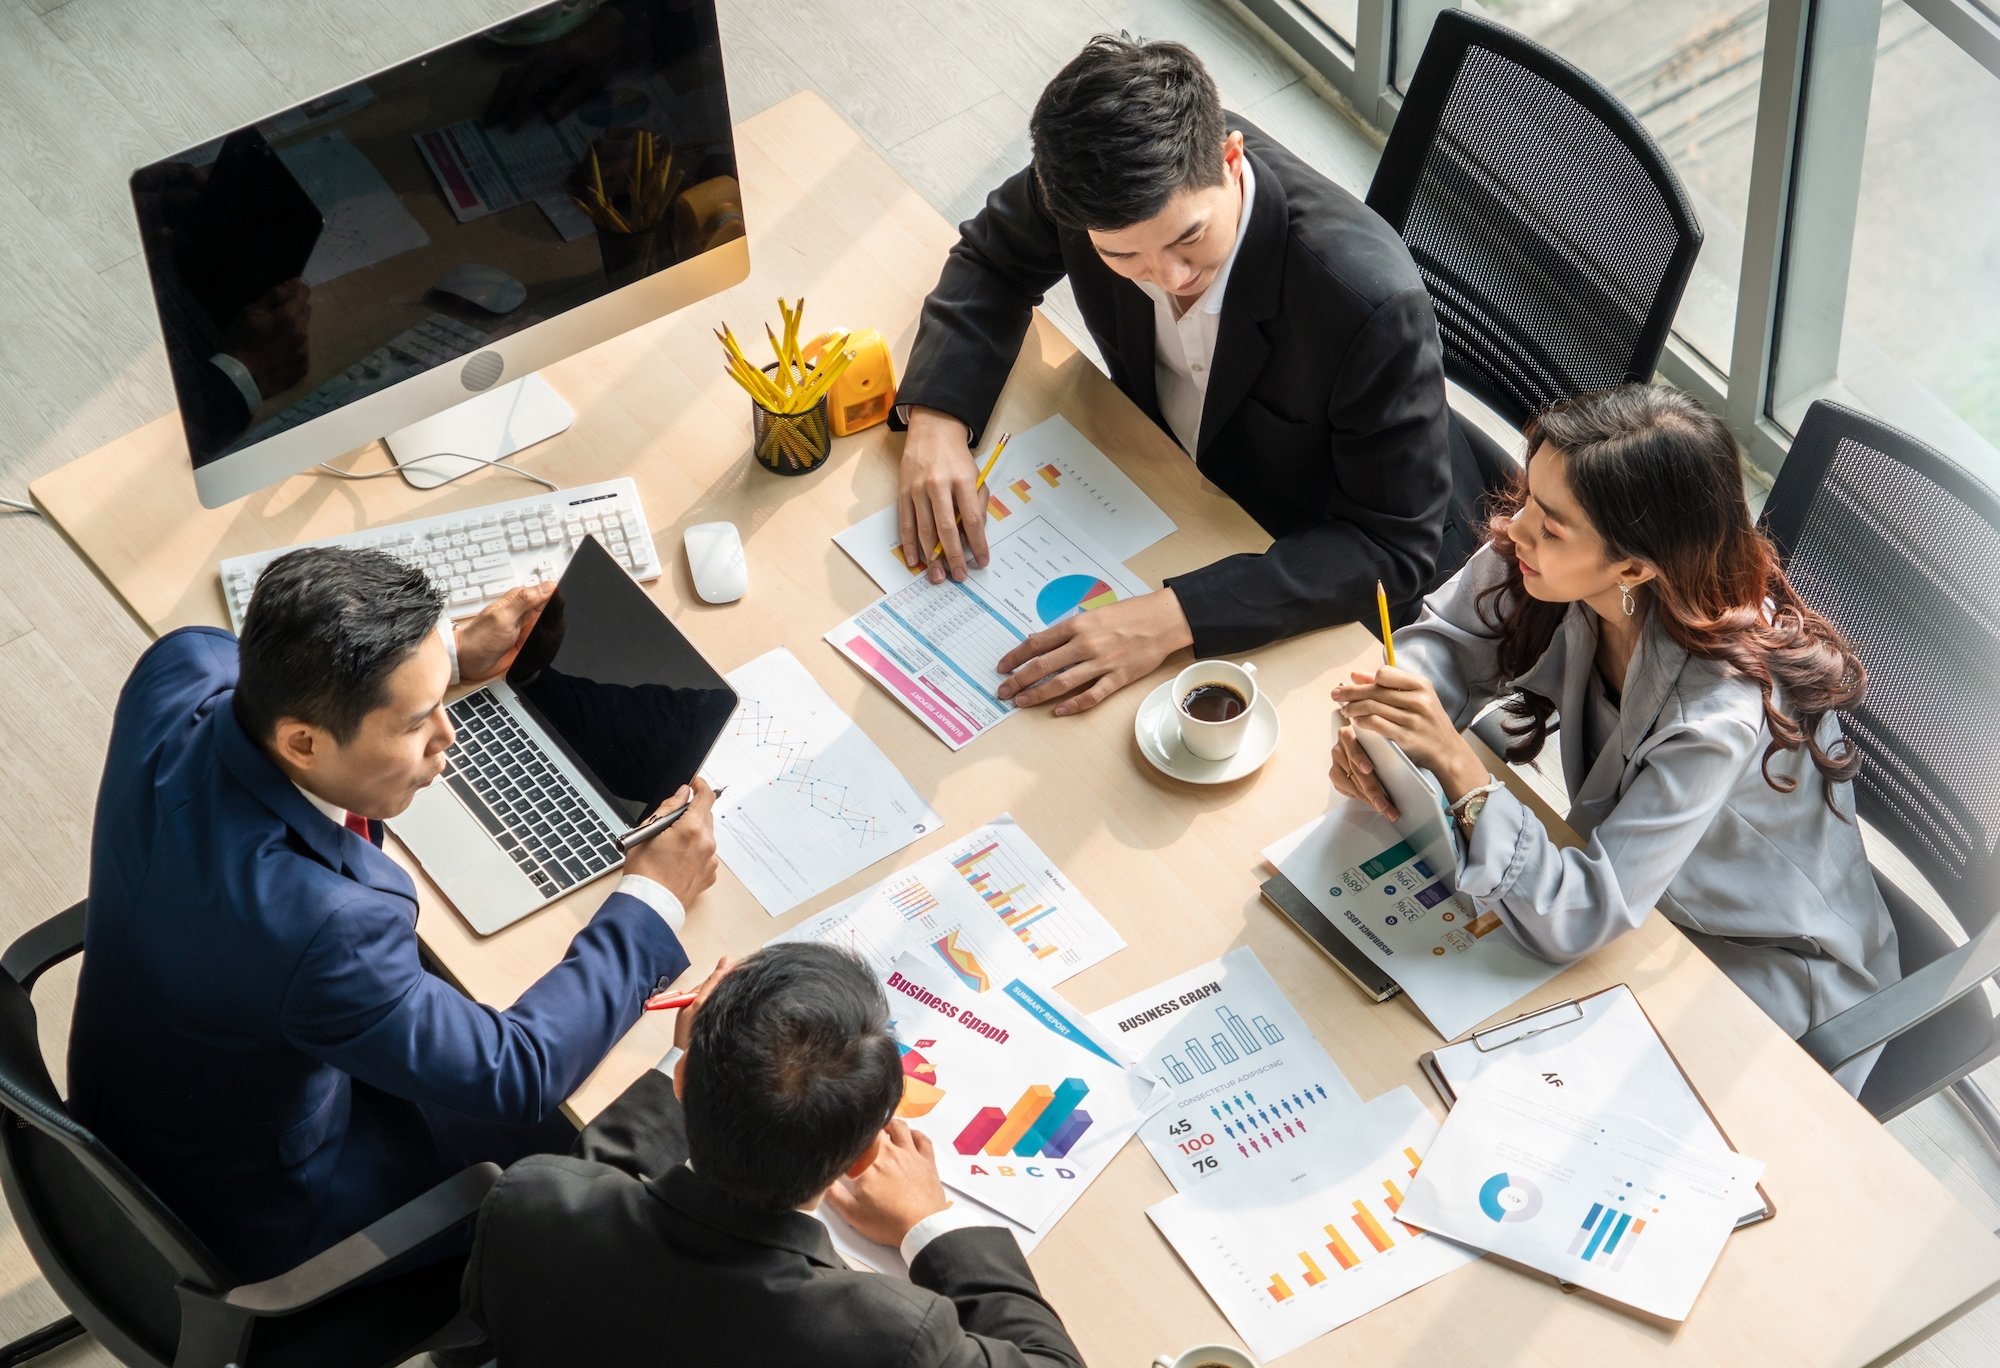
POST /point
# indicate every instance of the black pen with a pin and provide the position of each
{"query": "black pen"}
(660, 823)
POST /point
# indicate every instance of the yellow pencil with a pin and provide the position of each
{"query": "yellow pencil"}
(1388, 641)
(980, 484)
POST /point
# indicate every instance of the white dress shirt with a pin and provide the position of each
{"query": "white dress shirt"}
(1184, 344)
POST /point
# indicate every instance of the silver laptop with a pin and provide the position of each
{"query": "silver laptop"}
(605, 713)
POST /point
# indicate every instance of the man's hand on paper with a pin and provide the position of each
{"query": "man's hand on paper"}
(936, 496)
(1402, 706)
(1097, 653)
(899, 1188)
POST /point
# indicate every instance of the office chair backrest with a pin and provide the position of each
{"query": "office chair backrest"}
(1553, 236)
(1898, 546)
(112, 1251)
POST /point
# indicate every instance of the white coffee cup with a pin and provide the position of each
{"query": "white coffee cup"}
(1215, 740)
(1203, 1354)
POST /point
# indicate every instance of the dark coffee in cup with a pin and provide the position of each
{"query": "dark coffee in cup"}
(1214, 703)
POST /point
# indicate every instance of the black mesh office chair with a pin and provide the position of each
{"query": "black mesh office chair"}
(1554, 238)
(1897, 546)
(139, 1280)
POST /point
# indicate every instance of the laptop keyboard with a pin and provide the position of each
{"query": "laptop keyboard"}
(535, 814)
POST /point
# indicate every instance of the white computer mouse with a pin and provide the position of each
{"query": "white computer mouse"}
(716, 563)
(483, 287)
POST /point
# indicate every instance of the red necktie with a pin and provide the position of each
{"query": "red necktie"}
(358, 824)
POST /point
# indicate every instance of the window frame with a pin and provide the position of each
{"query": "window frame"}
(1782, 250)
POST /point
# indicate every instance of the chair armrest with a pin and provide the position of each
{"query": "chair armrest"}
(365, 1253)
(1886, 1014)
(46, 946)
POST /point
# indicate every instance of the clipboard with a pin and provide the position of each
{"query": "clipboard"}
(1552, 1027)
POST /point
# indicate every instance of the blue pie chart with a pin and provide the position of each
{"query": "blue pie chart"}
(1504, 1197)
(1067, 594)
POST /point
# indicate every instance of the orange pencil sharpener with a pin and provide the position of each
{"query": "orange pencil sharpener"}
(866, 390)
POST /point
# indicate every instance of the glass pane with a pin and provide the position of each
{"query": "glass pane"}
(1688, 70)
(1906, 322)
(1338, 15)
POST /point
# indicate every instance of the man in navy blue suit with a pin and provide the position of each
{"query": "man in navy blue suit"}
(255, 1033)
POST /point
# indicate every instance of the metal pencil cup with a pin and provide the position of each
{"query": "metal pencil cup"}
(791, 443)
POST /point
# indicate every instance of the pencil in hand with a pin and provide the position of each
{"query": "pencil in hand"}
(980, 483)
(1388, 639)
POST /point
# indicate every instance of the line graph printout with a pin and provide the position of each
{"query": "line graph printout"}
(811, 799)
(1251, 1084)
(949, 910)
(1049, 467)
(935, 646)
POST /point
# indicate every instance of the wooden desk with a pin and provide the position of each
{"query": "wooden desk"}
(1868, 1252)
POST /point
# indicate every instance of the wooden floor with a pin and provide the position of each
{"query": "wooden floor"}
(90, 89)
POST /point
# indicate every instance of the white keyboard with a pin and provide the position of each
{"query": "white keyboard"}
(476, 556)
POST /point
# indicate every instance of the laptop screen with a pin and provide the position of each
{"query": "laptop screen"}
(615, 684)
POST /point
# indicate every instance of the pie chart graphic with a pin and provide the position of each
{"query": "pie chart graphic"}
(920, 1089)
(1504, 1197)
(1068, 594)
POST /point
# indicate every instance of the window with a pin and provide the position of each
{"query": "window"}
(1688, 71)
(1891, 296)
(1843, 157)
(1342, 16)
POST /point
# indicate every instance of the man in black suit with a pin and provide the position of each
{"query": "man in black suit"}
(1270, 322)
(682, 1232)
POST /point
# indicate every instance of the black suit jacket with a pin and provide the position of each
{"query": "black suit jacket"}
(1325, 414)
(624, 1255)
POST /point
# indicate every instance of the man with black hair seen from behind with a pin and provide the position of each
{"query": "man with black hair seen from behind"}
(1266, 319)
(682, 1232)
(255, 1033)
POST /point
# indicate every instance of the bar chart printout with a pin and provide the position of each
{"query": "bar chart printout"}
(1031, 899)
(928, 909)
(1291, 1250)
(1022, 1109)
(1590, 1194)
(1250, 1082)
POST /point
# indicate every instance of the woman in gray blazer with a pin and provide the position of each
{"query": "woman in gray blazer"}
(1625, 588)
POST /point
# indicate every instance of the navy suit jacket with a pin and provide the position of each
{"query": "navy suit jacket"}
(255, 1033)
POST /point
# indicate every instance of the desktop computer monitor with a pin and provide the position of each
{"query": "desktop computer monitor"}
(399, 256)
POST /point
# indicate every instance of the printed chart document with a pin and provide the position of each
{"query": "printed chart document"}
(1049, 467)
(990, 908)
(935, 646)
(1400, 908)
(811, 799)
(1251, 1084)
(1078, 1031)
(1023, 1106)
(1604, 1053)
(1596, 1198)
(1290, 1251)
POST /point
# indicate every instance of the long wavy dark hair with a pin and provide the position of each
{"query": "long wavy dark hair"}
(1659, 478)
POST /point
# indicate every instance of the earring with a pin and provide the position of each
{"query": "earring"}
(1625, 600)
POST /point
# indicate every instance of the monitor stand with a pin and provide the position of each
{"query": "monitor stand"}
(493, 426)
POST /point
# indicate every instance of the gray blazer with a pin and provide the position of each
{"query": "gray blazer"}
(1674, 812)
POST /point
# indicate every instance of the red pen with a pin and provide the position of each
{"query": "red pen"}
(670, 1004)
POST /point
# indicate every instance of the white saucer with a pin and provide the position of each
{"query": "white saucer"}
(1157, 729)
